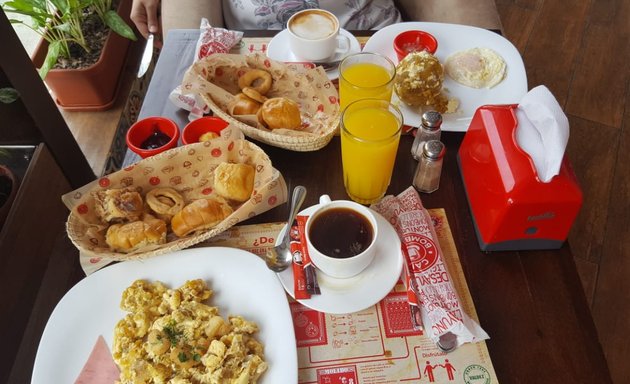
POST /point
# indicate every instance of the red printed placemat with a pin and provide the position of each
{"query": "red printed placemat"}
(377, 344)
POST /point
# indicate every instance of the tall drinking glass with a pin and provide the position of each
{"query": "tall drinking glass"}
(365, 75)
(370, 132)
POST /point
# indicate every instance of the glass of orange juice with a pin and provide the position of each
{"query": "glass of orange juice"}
(365, 75)
(370, 132)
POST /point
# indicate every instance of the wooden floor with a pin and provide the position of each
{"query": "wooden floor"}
(94, 131)
(580, 51)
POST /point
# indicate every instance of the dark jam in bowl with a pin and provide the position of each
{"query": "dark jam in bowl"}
(341, 233)
(156, 139)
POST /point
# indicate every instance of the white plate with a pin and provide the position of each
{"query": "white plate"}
(362, 291)
(453, 38)
(278, 49)
(242, 285)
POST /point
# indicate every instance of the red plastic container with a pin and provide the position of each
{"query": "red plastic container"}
(413, 41)
(511, 208)
(142, 129)
(193, 130)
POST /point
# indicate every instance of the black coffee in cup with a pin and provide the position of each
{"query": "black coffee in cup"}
(341, 233)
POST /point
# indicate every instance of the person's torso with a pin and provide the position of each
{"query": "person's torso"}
(274, 14)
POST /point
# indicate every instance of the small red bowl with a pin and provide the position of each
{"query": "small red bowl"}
(143, 129)
(413, 41)
(193, 130)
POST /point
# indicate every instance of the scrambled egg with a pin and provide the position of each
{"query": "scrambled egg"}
(170, 336)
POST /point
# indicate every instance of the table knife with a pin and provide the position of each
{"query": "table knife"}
(146, 56)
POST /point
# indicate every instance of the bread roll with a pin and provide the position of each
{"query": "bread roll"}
(198, 215)
(254, 94)
(165, 202)
(118, 205)
(234, 181)
(243, 105)
(280, 112)
(132, 236)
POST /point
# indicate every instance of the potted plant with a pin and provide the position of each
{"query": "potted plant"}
(83, 47)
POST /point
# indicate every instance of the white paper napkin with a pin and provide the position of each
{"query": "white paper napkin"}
(543, 131)
(211, 40)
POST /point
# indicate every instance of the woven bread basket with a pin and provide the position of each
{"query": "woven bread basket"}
(286, 141)
(188, 169)
(215, 79)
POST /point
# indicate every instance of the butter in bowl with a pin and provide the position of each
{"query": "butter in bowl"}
(203, 129)
(414, 41)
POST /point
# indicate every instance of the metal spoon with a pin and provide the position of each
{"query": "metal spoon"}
(329, 66)
(279, 257)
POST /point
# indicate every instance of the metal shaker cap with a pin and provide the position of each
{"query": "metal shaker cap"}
(433, 149)
(432, 120)
(447, 342)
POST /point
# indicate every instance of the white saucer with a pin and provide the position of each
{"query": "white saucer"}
(278, 49)
(359, 292)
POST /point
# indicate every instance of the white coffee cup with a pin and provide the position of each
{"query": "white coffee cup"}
(329, 224)
(314, 35)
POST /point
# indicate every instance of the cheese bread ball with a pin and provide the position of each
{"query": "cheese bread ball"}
(419, 78)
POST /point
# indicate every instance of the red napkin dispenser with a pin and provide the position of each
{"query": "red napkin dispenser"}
(511, 208)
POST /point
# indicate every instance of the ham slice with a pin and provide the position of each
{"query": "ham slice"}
(100, 367)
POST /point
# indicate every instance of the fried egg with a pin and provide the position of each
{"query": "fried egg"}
(476, 67)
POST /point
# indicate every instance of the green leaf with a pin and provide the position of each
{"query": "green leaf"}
(86, 3)
(8, 95)
(18, 12)
(118, 25)
(35, 4)
(20, 7)
(37, 20)
(51, 58)
(18, 4)
(76, 6)
(62, 6)
(37, 12)
(33, 10)
(41, 4)
(65, 28)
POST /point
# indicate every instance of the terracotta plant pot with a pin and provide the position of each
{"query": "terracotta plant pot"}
(8, 189)
(94, 88)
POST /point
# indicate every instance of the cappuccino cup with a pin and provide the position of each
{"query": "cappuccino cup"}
(314, 35)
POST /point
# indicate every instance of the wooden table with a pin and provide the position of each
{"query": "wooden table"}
(531, 303)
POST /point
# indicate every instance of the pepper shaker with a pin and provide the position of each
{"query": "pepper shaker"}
(429, 169)
(429, 129)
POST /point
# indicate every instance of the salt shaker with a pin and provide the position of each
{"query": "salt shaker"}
(427, 176)
(429, 129)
